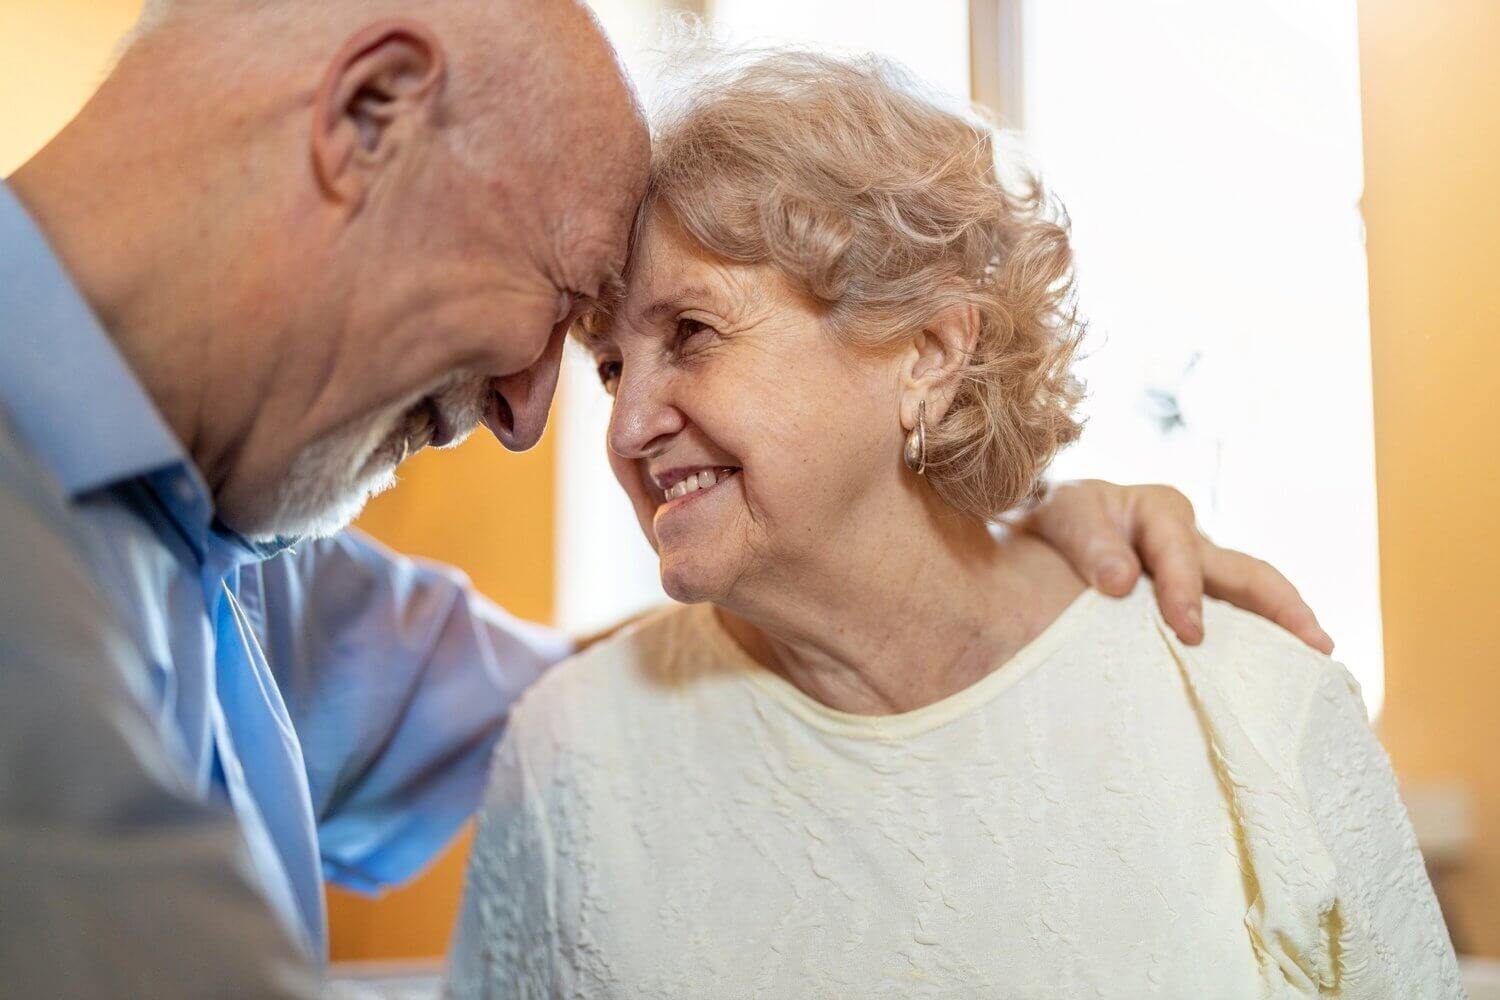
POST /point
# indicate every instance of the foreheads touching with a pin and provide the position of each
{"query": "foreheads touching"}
(475, 168)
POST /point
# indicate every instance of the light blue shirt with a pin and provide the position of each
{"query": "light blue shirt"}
(340, 700)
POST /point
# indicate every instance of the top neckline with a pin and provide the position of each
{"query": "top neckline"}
(903, 725)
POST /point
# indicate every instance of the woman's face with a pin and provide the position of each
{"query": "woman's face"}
(749, 440)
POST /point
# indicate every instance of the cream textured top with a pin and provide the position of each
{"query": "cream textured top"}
(1109, 814)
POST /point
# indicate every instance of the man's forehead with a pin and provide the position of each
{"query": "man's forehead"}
(587, 152)
(592, 237)
(601, 197)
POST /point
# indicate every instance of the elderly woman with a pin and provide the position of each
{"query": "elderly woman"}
(887, 750)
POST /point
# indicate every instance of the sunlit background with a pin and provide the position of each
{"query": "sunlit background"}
(1222, 163)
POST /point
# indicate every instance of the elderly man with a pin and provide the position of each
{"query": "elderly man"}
(286, 246)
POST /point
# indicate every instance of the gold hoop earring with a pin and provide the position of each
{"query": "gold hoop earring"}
(915, 452)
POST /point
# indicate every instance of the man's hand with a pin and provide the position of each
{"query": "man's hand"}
(1107, 532)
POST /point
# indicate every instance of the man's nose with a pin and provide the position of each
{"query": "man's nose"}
(643, 418)
(517, 413)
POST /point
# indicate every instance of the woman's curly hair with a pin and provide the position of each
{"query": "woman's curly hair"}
(888, 210)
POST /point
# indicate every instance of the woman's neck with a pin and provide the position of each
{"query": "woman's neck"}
(910, 620)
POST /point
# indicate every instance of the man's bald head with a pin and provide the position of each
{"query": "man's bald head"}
(386, 211)
(522, 71)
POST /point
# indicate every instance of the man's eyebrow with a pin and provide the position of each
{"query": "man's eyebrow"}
(598, 309)
(589, 337)
(611, 286)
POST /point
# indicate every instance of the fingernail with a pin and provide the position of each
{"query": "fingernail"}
(1195, 619)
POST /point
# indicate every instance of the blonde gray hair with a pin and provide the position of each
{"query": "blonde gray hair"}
(889, 210)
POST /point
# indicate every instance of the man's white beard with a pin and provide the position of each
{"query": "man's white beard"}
(332, 479)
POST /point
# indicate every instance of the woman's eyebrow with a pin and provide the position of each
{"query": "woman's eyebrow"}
(668, 304)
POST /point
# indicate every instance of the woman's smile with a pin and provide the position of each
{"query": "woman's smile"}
(678, 487)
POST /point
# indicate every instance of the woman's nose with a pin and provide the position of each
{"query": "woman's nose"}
(644, 418)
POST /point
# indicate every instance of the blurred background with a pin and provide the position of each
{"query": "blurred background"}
(1287, 217)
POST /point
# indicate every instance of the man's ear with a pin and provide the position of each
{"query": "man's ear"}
(380, 87)
(931, 361)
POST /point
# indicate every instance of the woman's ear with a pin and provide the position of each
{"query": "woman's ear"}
(380, 88)
(936, 353)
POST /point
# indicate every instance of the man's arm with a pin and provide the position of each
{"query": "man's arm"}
(399, 678)
(114, 881)
(1110, 532)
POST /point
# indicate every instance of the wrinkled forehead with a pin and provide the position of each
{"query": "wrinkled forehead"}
(596, 244)
(588, 235)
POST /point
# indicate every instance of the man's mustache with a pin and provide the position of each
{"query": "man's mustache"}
(455, 407)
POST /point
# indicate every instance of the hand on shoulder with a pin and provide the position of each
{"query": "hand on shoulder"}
(1111, 534)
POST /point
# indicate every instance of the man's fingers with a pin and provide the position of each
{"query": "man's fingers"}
(1075, 519)
(1107, 532)
(1258, 587)
(1166, 535)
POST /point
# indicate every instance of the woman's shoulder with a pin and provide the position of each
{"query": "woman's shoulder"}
(631, 674)
(1267, 663)
(1244, 661)
(1343, 901)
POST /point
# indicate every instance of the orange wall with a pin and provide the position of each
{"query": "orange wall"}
(52, 56)
(1431, 89)
(491, 514)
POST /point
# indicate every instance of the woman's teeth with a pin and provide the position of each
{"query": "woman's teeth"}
(698, 481)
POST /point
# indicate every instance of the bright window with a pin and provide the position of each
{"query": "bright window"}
(931, 38)
(1210, 158)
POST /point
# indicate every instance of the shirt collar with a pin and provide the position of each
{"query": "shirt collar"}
(76, 403)
(73, 399)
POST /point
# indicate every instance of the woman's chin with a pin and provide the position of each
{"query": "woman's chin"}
(687, 579)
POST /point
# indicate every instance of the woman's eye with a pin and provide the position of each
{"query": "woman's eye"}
(690, 329)
(609, 375)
